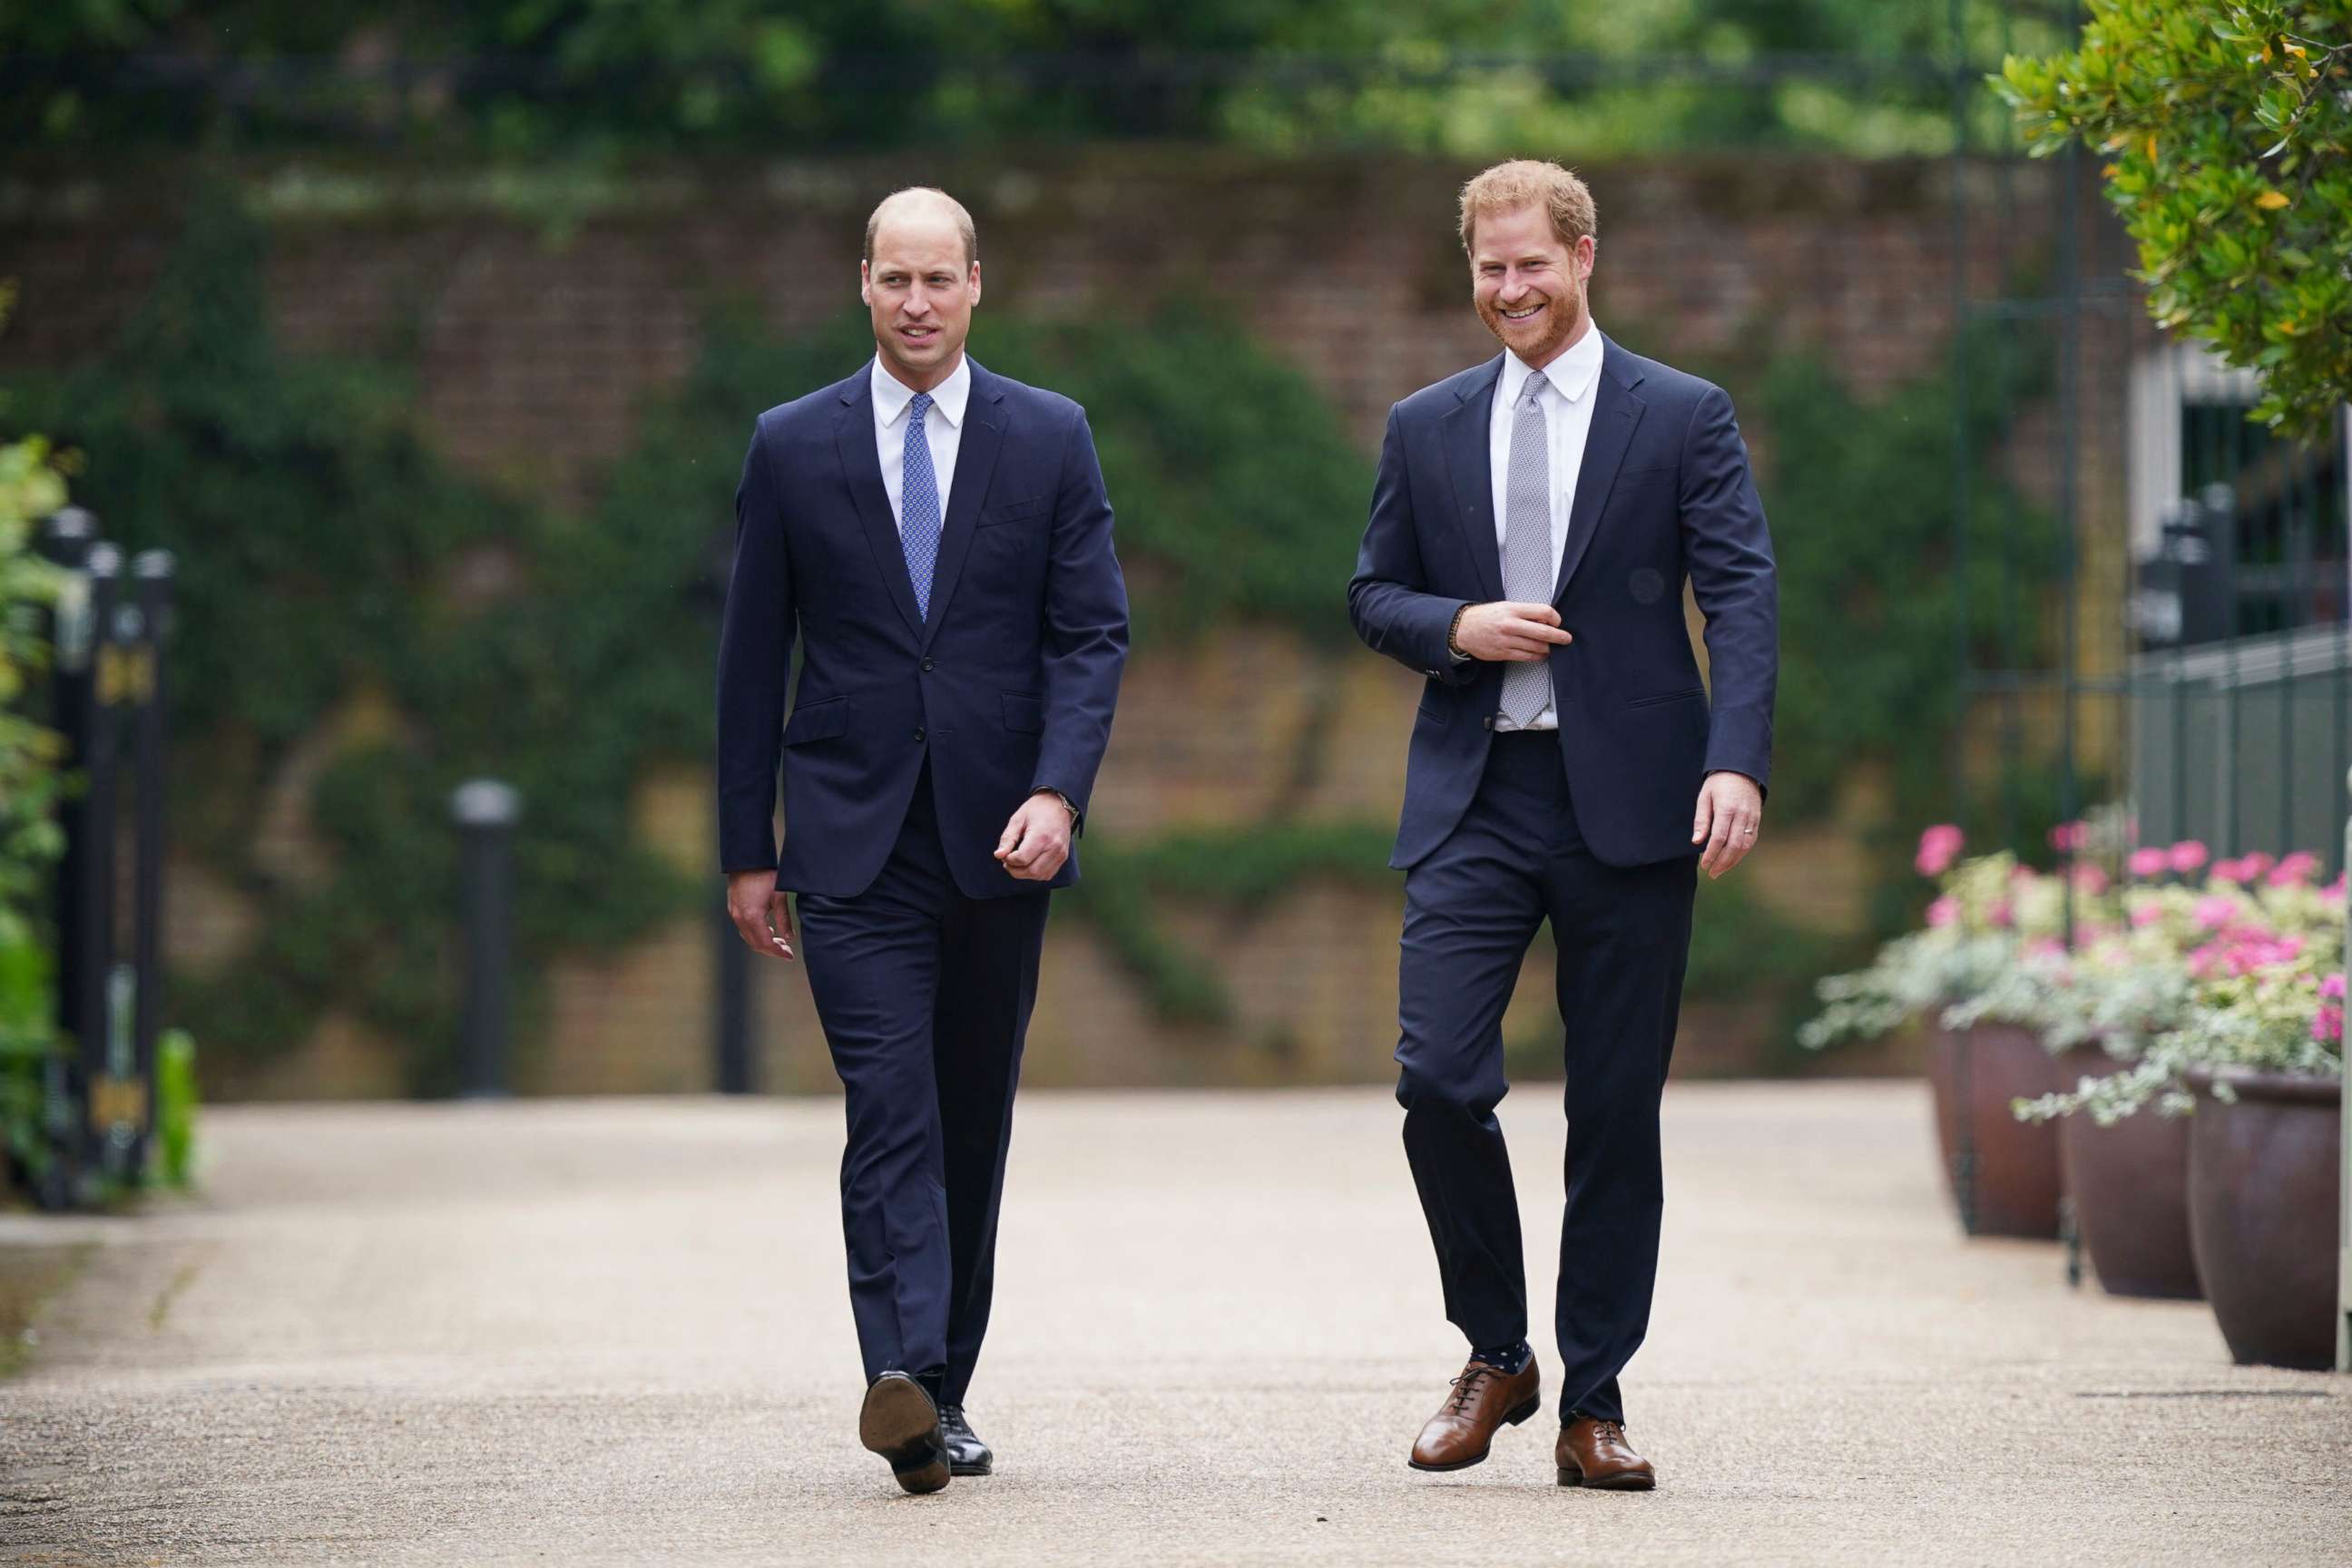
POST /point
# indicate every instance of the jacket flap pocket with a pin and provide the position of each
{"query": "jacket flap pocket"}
(817, 721)
(1022, 712)
(1012, 511)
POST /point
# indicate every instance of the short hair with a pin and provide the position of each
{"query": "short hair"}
(1529, 182)
(964, 229)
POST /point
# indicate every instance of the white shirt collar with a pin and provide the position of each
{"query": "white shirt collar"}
(891, 395)
(1571, 374)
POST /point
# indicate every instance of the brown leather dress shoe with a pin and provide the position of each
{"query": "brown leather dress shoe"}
(1593, 1453)
(1484, 1400)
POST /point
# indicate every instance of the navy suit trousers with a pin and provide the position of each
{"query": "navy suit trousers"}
(1472, 907)
(925, 998)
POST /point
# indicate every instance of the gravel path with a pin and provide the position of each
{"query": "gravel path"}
(615, 1332)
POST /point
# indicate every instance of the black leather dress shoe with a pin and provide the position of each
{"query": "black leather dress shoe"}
(967, 1455)
(900, 1423)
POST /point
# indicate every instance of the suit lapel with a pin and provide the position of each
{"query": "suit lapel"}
(861, 467)
(1464, 432)
(1616, 413)
(983, 437)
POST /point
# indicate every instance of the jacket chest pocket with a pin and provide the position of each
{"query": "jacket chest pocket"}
(1013, 511)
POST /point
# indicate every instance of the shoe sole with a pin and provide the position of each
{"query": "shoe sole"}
(899, 1422)
(1534, 1404)
(1630, 1483)
(985, 1467)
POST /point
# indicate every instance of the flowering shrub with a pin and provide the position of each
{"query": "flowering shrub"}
(2193, 963)
(2244, 970)
(1988, 905)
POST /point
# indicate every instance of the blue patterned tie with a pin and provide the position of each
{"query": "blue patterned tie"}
(918, 508)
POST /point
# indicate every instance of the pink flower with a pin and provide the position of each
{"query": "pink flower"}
(2001, 915)
(2146, 915)
(2331, 987)
(2216, 911)
(1939, 846)
(2254, 865)
(2186, 855)
(2069, 835)
(2299, 866)
(2327, 1025)
(2089, 879)
(1944, 911)
(2228, 871)
(2148, 862)
(2045, 947)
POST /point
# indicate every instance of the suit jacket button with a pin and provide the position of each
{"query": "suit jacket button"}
(1488, 720)
(927, 667)
(919, 733)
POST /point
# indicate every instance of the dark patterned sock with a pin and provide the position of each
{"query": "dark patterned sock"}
(1511, 1358)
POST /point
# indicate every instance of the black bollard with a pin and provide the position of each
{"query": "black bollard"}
(486, 811)
(151, 571)
(731, 1012)
(93, 991)
(66, 541)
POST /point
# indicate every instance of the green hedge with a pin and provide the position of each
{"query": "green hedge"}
(331, 566)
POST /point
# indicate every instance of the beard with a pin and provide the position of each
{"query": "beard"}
(1538, 340)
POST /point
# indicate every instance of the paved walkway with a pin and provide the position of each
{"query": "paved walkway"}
(609, 1333)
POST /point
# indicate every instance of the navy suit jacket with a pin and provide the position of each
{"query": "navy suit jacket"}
(1664, 495)
(1007, 686)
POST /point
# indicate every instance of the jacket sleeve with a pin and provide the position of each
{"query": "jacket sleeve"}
(1086, 626)
(1729, 549)
(1387, 602)
(755, 657)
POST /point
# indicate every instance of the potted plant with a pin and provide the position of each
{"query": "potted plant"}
(2003, 1172)
(2255, 1053)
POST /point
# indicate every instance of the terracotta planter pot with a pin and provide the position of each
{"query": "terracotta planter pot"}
(2008, 1182)
(2129, 1184)
(2262, 1193)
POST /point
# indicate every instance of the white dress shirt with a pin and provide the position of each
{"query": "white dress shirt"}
(1567, 418)
(944, 429)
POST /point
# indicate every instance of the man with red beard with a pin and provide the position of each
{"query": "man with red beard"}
(1532, 525)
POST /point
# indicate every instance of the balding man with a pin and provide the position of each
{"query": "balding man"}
(937, 539)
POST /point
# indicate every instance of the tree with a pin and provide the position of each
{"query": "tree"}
(2225, 135)
(533, 77)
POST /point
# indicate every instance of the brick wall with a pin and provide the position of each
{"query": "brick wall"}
(535, 345)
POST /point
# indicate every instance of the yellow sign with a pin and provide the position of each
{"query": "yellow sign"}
(125, 674)
(117, 1102)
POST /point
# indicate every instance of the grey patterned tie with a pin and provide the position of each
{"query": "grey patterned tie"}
(1527, 544)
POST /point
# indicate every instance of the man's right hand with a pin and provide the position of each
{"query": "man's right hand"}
(762, 915)
(1507, 633)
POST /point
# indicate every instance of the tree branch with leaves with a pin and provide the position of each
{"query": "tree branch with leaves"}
(2224, 132)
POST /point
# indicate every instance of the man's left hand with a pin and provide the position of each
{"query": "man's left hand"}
(1037, 840)
(1730, 815)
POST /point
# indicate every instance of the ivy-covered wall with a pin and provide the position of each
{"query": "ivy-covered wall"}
(450, 487)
